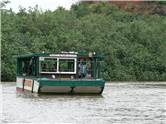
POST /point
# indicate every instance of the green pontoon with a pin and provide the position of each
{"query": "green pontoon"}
(64, 72)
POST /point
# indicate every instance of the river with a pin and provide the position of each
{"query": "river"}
(120, 103)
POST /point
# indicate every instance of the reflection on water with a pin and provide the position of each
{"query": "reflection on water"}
(119, 103)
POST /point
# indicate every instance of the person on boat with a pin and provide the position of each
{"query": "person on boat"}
(24, 69)
(30, 67)
(82, 69)
(54, 67)
(44, 67)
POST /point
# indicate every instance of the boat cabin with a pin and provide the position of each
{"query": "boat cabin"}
(63, 65)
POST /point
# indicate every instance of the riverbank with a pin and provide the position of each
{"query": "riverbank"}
(122, 82)
(137, 82)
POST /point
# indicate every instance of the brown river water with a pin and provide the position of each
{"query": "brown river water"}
(120, 103)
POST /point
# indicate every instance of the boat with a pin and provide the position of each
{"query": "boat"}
(62, 72)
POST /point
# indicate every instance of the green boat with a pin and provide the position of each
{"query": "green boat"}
(63, 72)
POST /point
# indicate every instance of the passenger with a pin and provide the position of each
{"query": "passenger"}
(30, 70)
(82, 69)
(54, 67)
(44, 67)
(23, 69)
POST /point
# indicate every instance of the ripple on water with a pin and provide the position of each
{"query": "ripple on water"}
(119, 103)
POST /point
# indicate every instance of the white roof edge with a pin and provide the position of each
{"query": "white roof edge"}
(63, 55)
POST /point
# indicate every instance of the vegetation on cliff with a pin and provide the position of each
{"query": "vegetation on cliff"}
(134, 45)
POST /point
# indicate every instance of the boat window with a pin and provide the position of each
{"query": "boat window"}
(48, 65)
(66, 65)
(27, 67)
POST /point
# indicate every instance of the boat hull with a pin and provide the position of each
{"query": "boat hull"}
(44, 85)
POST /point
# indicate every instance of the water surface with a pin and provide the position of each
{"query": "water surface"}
(125, 103)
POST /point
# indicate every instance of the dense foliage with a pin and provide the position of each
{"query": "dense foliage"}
(134, 45)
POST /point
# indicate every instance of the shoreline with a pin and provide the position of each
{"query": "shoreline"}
(117, 82)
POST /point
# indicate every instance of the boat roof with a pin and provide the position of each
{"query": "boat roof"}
(32, 55)
(43, 54)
